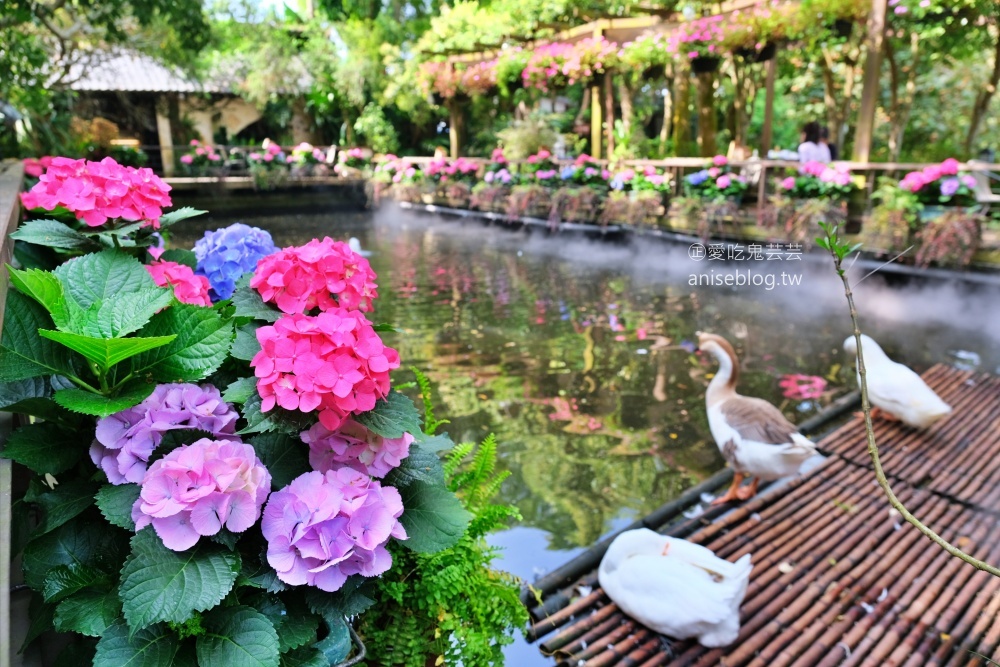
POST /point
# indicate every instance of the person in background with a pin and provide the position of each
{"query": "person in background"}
(440, 153)
(824, 140)
(810, 150)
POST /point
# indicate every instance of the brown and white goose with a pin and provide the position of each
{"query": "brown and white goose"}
(753, 436)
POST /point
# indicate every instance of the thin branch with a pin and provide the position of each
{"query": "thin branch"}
(879, 267)
(873, 447)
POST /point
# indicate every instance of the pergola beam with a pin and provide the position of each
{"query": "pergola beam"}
(870, 92)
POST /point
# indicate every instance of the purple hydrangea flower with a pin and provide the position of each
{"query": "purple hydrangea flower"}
(949, 186)
(197, 489)
(567, 173)
(698, 177)
(226, 254)
(354, 446)
(126, 439)
(325, 527)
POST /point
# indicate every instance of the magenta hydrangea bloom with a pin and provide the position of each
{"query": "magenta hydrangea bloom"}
(356, 447)
(325, 527)
(98, 191)
(333, 362)
(126, 439)
(188, 287)
(299, 279)
(195, 490)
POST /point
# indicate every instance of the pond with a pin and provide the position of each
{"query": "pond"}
(577, 354)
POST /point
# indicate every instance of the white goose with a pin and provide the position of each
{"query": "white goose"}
(675, 587)
(753, 436)
(894, 390)
(354, 244)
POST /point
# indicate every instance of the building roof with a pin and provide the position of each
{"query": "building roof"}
(131, 71)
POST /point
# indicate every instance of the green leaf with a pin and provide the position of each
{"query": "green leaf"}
(62, 503)
(89, 403)
(181, 256)
(32, 396)
(201, 345)
(102, 276)
(275, 419)
(123, 230)
(115, 503)
(44, 288)
(262, 576)
(336, 646)
(392, 416)
(45, 448)
(297, 629)
(248, 303)
(23, 353)
(237, 637)
(419, 466)
(240, 391)
(307, 656)
(76, 542)
(66, 580)
(433, 517)
(106, 352)
(90, 613)
(283, 456)
(385, 328)
(163, 585)
(179, 214)
(353, 598)
(52, 234)
(152, 647)
(246, 346)
(125, 314)
(434, 443)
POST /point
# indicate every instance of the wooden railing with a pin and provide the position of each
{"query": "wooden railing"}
(10, 208)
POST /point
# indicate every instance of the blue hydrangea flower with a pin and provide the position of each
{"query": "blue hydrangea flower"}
(698, 177)
(226, 254)
(567, 173)
(617, 183)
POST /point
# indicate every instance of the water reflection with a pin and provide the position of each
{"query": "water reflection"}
(577, 354)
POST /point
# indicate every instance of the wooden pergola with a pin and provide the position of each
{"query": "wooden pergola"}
(621, 30)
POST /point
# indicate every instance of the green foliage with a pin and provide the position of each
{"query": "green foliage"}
(451, 603)
(375, 129)
(430, 423)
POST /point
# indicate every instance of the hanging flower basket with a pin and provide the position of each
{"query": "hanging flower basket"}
(704, 64)
(842, 28)
(752, 55)
(654, 73)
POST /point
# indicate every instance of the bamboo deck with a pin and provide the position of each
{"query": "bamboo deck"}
(839, 579)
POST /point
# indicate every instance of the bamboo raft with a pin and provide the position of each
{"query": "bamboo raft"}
(839, 579)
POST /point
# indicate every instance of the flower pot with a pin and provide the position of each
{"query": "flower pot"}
(704, 64)
(654, 72)
(767, 52)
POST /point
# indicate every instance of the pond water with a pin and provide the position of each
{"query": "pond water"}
(576, 353)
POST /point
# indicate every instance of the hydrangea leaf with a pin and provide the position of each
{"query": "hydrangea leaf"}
(297, 629)
(23, 353)
(283, 455)
(392, 416)
(90, 613)
(62, 503)
(202, 344)
(66, 580)
(106, 352)
(240, 391)
(276, 419)
(246, 346)
(123, 230)
(237, 637)
(181, 256)
(433, 517)
(179, 214)
(419, 466)
(115, 503)
(163, 585)
(45, 448)
(102, 276)
(152, 647)
(353, 598)
(248, 303)
(43, 287)
(307, 656)
(32, 396)
(76, 542)
(89, 403)
(433, 443)
(51, 233)
(125, 314)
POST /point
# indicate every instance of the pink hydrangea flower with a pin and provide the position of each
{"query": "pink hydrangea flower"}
(298, 279)
(125, 440)
(724, 181)
(99, 191)
(714, 172)
(356, 447)
(333, 362)
(949, 167)
(197, 489)
(720, 161)
(187, 159)
(188, 287)
(788, 183)
(325, 527)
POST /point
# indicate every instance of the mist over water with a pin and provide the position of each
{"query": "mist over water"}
(572, 351)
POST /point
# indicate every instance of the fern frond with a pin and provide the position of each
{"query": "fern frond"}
(455, 458)
(426, 395)
(483, 464)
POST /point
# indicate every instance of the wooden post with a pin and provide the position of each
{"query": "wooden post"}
(456, 122)
(609, 113)
(595, 113)
(869, 94)
(706, 114)
(682, 109)
(767, 136)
